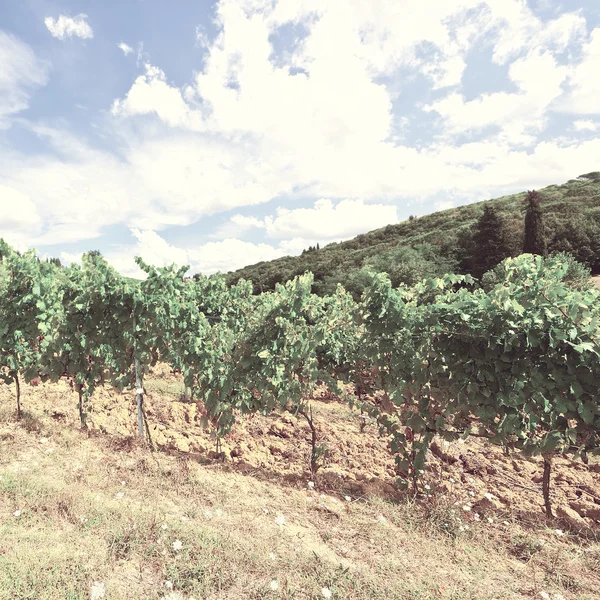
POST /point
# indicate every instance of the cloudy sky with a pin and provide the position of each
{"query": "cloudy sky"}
(219, 134)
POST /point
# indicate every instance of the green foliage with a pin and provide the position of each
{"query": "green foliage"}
(448, 232)
(580, 237)
(489, 243)
(535, 233)
(28, 313)
(518, 362)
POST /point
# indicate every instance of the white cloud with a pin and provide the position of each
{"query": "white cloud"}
(323, 222)
(66, 258)
(247, 130)
(586, 125)
(20, 73)
(585, 94)
(151, 94)
(237, 225)
(65, 27)
(125, 48)
(19, 218)
(538, 78)
(225, 255)
(329, 221)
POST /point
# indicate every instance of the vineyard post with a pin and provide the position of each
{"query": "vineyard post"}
(81, 411)
(546, 484)
(18, 388)
(139, 390)
(139, 395)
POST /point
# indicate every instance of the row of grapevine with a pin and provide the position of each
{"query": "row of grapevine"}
(516, 362)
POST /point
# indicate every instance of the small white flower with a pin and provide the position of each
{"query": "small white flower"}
(120, 495)
(558, 597)
(347, 499)
(427, 486)
(372, 541)
(466, 508)
(326, 592)
(476, 516)
(381, 519)
(461, 441)
(274, 585)
(169, 585)
(98, 591)
(266, 511)
(489, 496)
(164, 526)
(471, 493)
(559, 532)
(17, 513)
(219, 512)
(545, 595)
(490, 520)
(177, 545)
(311, 484)
(280, 520)
(461, 528)
(505, 523)
(272, 556)
(208, 515)
(452, 480)
(123, 483)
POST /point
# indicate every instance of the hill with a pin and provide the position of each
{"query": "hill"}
(440, 242)
(94, 511)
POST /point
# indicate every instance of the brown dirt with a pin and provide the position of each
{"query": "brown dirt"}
(276, 447)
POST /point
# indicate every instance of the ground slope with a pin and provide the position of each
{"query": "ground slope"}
(559, 202)
(81, 508)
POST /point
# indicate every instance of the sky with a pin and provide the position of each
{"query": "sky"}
(219, 134)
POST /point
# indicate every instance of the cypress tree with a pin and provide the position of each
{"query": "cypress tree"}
(535, 233)
(490, 242)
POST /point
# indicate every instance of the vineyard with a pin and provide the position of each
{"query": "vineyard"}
(512, 363)
(516, 361)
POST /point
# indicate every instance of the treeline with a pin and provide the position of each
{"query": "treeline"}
(515, 360)
(468, 240)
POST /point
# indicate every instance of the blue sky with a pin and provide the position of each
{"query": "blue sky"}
(218, 134)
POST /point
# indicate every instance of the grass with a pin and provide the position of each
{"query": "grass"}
(75, 510)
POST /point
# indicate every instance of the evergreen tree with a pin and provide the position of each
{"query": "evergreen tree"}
(535, 232)
(490, 242)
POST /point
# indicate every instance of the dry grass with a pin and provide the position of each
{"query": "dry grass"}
(79, 524)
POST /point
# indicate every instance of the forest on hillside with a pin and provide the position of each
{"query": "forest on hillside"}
(469, 239)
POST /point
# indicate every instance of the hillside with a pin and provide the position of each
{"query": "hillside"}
(435, 243)
(82, 512)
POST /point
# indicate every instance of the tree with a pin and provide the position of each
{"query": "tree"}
(490, 242)
(535, 231)
(581, 238)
